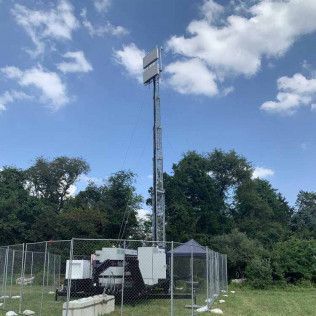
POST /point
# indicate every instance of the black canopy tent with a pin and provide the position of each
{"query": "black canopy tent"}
(189, 248)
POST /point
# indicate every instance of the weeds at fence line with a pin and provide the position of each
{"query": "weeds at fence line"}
(31, 273)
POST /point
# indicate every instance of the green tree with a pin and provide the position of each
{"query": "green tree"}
(194, 206)
(116, 200)
(82, 223)
(261, 212)
(23, 217)
(228, 169)
(52, 180)
(13, 198)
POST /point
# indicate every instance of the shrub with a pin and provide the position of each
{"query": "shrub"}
(259, 273)
(295, 260)
(240, 251)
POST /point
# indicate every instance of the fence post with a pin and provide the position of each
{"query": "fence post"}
(59, 269)
(217, 273)
(22, 276)
(48, 266)
(171, 279)
(213, 276)
(5, 275)
(12, 270)
(192, 280)
(54, 277)
(223, 273)
(207, 278)
(123, 280)
(3, 272)
(226, 275)
(32, 262)
(43, 280)
(69, 275)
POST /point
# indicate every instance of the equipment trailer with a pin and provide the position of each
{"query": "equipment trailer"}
(141, 274)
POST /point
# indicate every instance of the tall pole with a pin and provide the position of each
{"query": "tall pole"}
(158, 192)
(152, 69)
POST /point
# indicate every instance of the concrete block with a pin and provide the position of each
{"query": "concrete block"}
(90, 306)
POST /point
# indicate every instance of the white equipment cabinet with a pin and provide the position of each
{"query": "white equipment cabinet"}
(80, 269)
(152, 264)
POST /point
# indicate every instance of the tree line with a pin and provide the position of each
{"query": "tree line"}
(211, 197)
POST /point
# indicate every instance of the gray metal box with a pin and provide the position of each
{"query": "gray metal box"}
(151, 57)
(150, 72)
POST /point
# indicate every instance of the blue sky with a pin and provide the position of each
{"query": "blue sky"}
(237, 75)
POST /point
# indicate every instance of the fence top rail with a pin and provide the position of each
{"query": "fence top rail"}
(127, 240)
(48, 241)
(12, 245)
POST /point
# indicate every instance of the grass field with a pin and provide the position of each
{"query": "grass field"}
(273, 302)
(245, 302)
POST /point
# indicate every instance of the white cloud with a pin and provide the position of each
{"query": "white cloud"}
(211, 10)
(261, 172)
(228, 90)
(297, 84)
(102, 5)
(293, 93)
(102, 30)
(191, 77)
(57, 23)
(236, 44)
(53, 90)
(71, 191)
(131, 58)
(142, 214)
(11, 96)
(78, 63)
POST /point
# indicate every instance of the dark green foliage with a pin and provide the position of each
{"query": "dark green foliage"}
(196, 194)
(51, 180)
(304, 219)
(261, 212)
(294, 260)
(35, 204)
(13, 200)
(228, 169)
(240, 251)
(259, 273)
(115, 201)
(85, 223)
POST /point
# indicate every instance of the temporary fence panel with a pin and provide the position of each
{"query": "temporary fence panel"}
(146, 278)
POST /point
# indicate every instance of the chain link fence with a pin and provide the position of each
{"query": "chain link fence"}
(117, 277)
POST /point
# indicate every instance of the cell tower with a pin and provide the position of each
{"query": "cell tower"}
(151, 74)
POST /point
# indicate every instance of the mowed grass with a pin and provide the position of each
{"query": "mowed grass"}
(32, 300)
(245, 302)
(273, 302)
(33, 295)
